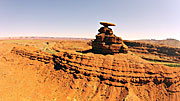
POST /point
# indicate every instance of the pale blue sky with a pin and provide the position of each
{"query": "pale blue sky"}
(135, 19)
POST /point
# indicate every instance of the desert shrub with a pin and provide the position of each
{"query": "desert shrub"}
(166, 63)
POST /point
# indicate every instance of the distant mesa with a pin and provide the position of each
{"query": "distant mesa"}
(108, 43)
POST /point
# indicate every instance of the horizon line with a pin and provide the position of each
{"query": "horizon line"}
(58, 37)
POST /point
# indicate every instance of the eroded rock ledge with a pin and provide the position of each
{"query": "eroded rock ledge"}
(33, 53)
(116, 70)
(165, 53)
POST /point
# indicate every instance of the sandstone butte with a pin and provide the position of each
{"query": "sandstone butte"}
(108, 43)
(70, 75)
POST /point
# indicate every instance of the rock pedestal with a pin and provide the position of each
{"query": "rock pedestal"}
(106, 42)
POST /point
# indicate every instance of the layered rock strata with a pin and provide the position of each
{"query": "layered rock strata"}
(33, 53)
(116, 70)
(108, 43)
(163, 52)
(120, 70)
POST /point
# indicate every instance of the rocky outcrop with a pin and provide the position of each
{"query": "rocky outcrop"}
(133, 74)
(165, 53)
(115, 70)
(33, 53)
(106, 42)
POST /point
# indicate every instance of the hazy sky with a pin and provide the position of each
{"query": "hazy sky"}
(135, 19)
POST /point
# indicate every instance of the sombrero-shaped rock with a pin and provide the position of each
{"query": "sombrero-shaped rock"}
(107, 24)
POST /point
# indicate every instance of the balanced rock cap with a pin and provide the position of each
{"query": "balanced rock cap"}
(107, 24)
